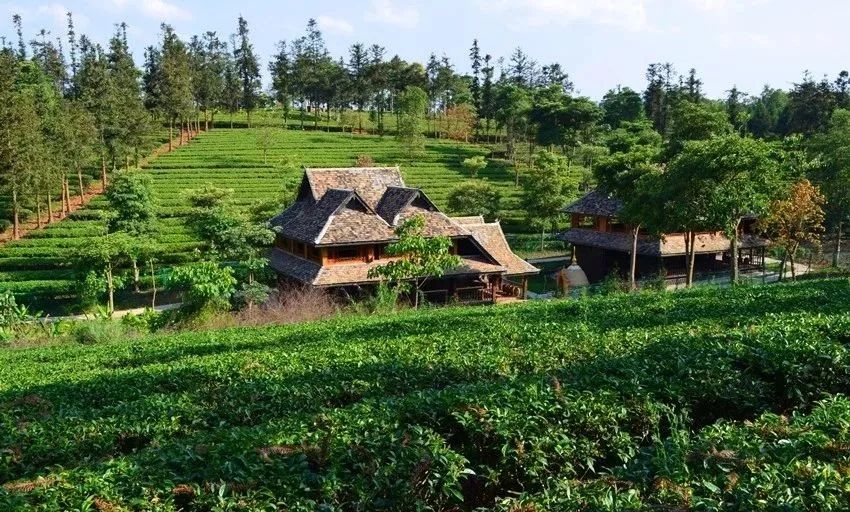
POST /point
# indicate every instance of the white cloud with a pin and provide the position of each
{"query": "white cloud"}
(330, 24)
(158, 10)
(719, 6)
(629, 14)
(385, 11)
(164, 11)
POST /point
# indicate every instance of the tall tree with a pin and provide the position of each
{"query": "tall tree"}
(794, 219)
(831, 149)
(280, 69)
(621, 105)
(247, 68)
(412, 104)
(732, 177)
(475, 85)
(175, 93)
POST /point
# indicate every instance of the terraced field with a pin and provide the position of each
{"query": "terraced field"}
(38, 267)
(709, 400)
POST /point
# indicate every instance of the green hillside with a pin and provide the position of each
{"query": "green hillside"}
(40, 265)
(708, 399)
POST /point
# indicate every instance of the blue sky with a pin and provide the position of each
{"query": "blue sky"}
(601, 43)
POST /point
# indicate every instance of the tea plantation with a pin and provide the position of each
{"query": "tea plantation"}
(731, 399)
(40, 265)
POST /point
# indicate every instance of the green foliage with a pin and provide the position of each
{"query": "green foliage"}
(251, 293)
(411, 107)
(712, 398)
(474, 165)
(208, 196)
(203, 285)
(475, 198)
(131, 203)
(549, 186)
(418, 257)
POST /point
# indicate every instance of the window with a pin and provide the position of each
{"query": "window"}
(346, 253)
(314, 254)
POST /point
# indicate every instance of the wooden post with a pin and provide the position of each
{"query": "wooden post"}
(524, 288)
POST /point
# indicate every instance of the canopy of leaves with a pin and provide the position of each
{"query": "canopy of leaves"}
(131, 203)
(475, 198)
(416, 256)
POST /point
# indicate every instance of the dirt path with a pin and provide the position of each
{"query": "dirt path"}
(95, 189)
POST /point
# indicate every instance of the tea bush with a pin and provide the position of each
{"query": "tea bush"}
(708, 399)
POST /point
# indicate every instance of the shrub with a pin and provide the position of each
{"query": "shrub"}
(205, 285)
(91, 332)
(251, 294)
(474, 165)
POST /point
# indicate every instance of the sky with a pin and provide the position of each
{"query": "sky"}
(600, 43)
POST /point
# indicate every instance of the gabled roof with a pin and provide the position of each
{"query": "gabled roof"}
(396, 199)
(364, 205)
(491, 237)
(666, 245)
(340, 216)
(597, 203)
(368, 182)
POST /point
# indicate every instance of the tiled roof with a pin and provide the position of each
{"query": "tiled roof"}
(492, 238)
(668, 245)
(312, 273)
(596, 202)
(394, 200)
(364, 205)
(474, 219)
(340, 216)
(368, 182)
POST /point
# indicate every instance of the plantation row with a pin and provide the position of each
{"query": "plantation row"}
(707, 399)
(40, 265)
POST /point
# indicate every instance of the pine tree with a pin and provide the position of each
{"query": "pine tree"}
(487, 93)
(176, 79)
(247, 68)
(475, 85)
(280, 69)
(358, 64)
(128, 115)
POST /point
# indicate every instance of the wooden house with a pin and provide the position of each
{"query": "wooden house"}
(344, 218)
(603, 244)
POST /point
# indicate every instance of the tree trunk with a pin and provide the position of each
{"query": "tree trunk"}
(80, 180)
(16, 221)
(110, 288)
(103, 170)
(153, 283)
(135, 275)
(38, 211)
(633, 266)
(66, 203)
(249, 118)
(734, 245)
(792, 257)
(231, 120)
(49, 208)
(127, 161)
(171, 135)
(206, 122)
(690, 253)
(782, 265)
(836, 257)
